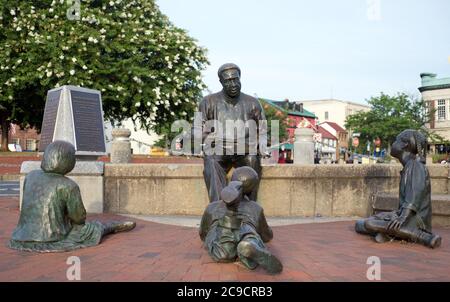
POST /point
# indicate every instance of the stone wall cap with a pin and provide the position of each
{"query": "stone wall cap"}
(269, 171)
(81, 167)
(119, 132)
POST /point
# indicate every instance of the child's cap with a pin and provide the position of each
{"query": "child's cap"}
(247, 176)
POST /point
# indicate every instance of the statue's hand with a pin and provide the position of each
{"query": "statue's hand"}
(396, 223)
(400, 220)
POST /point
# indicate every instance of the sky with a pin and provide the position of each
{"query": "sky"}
(307, 50)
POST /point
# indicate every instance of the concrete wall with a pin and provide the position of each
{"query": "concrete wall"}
(155, 189)
(328, 190)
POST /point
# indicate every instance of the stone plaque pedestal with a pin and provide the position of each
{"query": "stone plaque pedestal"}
(74, 114)
(87, 174)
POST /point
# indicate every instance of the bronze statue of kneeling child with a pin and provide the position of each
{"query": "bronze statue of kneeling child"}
(412, 220)
(53, 217)
(235, 226)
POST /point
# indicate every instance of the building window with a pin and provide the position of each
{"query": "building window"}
(16, 141)
(326, 115)
(30, 145)
(441, 110)
(448, 104)
(427, 108)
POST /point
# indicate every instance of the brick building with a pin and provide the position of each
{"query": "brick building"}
(27, 139)
(296, 114)
(341, 135)
(326, 145)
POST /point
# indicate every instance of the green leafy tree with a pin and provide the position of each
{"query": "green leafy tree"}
(389, 115)
(146, 68)
(274, 114)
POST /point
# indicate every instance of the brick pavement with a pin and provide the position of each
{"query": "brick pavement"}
(157, 252)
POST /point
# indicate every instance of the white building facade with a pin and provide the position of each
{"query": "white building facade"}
(332, 110)
(436, 94)
(141, 140)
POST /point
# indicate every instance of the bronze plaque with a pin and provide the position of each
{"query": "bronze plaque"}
(48, 124)
(88, 121)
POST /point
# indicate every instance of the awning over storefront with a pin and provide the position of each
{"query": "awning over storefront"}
(287, 146)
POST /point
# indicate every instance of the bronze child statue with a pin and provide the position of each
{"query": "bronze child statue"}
(235, 227)
(53, 217)
(412, 220)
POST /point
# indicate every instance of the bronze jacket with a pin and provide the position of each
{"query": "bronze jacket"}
(251, 213)
(219, 107)
(51, 205)
(415, 194)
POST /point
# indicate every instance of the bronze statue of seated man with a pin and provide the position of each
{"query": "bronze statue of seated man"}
(53, 217)
(235, 227)
(412, 220)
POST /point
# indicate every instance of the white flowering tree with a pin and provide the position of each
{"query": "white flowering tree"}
(146, 68)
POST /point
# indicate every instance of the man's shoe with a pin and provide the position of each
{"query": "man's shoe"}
(124, 226)
(261, 256)
(435, 241)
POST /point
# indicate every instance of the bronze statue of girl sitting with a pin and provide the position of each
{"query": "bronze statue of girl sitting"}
(412, 220)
